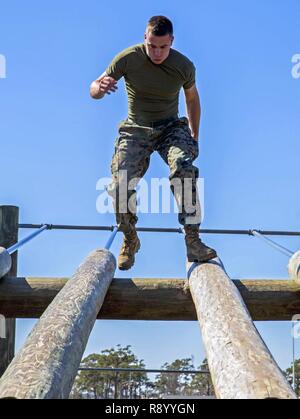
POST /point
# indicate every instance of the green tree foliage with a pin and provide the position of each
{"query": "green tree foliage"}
(289, 375)
(184, 384)
(201, 384)
(135, 385)
(115, 385)
(174, 384)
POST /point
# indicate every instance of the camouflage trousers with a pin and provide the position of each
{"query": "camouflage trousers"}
(133, 149)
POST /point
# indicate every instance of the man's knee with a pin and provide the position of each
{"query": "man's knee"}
(184, 170)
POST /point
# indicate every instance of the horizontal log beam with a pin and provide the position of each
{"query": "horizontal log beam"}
(149, 299)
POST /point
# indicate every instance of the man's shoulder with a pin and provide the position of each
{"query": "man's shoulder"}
(180, 59)
(134, 50)
(125, 61)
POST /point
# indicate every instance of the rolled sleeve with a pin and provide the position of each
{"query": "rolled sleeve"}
(190, 77)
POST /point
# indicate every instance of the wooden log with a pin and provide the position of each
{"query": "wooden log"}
(240, 364)
(140, 298)
(9, 228)
(294, 267)
(46, 366)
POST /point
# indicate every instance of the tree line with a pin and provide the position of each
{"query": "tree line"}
(138, 385)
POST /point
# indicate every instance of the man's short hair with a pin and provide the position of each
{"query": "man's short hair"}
(160, 26)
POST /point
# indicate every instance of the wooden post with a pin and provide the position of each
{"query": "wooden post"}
(46, 366)
(294, 267)
(9, 227)
(240, 364)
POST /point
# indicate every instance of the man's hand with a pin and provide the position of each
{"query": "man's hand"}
(193, 110)
(102, 86)
(108, 85)
(195, 137)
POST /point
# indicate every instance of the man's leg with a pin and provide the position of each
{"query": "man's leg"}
(129, 164)
(179, 150)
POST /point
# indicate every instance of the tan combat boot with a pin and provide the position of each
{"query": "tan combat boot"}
(131, 245)
(197, 251)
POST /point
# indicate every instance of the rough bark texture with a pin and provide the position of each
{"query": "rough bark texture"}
(9, 228)
(294, 267)
(240, 364)
(140, 298)
(46, 366)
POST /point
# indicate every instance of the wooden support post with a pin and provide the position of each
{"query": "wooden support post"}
(294, 267)
(9, 227)
(240, 364)
(46, 366)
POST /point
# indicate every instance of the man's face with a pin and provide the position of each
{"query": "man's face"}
(158, 47)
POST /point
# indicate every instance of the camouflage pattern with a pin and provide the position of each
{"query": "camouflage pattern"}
(133, 148)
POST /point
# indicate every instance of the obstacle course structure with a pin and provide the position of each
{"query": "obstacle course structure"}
(240, 364)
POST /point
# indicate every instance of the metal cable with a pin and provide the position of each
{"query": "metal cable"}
(114, 229)
(91, 369)
(112, 237)
(27, 239)
(162, 230)
(273, 244)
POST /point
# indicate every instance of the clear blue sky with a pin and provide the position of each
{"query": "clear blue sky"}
(56, 142)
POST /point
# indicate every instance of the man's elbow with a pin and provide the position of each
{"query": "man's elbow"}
(92, 95)
(94, 91)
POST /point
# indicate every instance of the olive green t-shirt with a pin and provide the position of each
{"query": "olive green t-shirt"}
(152, 89)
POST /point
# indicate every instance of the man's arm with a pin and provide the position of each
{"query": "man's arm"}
(193, 109)
(102, 86)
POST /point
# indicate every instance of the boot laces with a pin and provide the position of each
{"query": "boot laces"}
(193, 236)
(128, 243)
